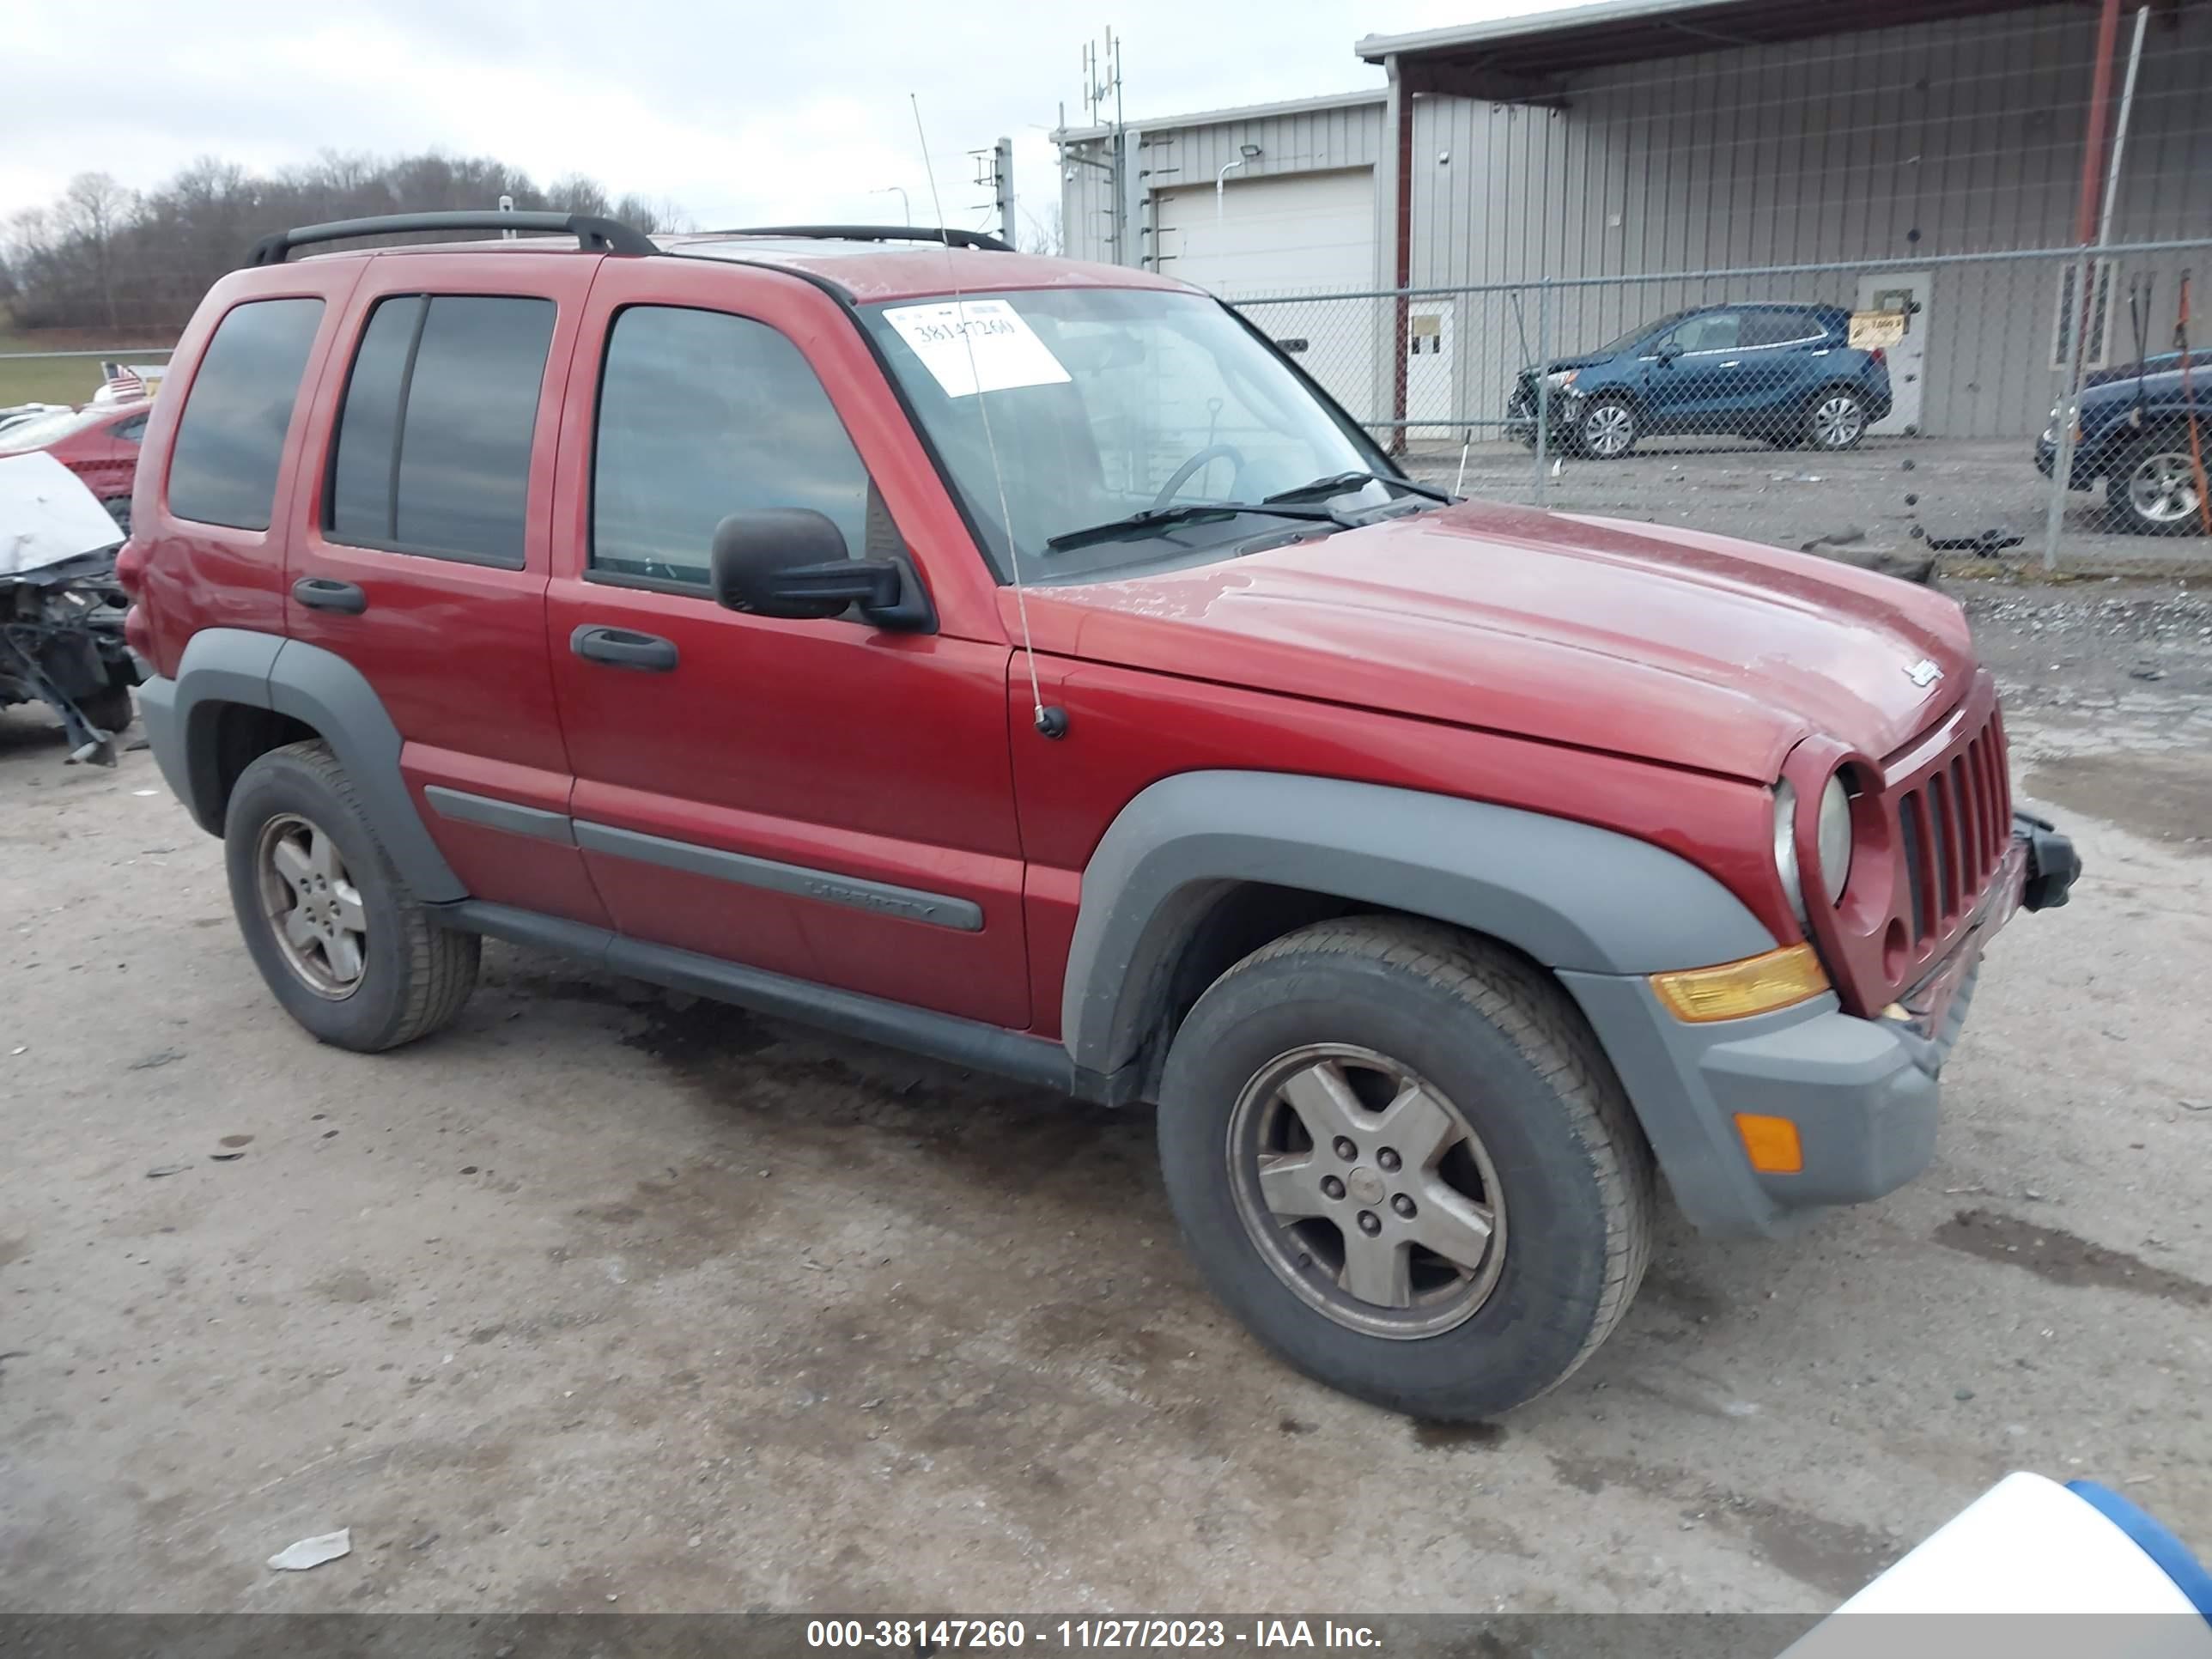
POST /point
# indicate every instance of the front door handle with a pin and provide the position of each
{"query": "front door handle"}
(623, 649)
(321, 593)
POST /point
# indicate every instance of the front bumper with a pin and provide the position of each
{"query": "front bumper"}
(1863, 1093)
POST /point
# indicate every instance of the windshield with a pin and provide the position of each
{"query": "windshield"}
(1108, 402)
(1637, 333)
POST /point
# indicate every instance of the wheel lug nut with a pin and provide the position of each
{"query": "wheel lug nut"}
(1388, 1158)
(1345, 1150)
(1370, 1223)
(1402, 1205)
(1331, 1186)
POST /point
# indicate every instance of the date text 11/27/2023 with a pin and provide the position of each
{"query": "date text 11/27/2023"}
(1139, 1635)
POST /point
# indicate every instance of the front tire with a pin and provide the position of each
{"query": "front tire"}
(1608, 430)
(2151, 489)
(345, 947)
(1491, 1221)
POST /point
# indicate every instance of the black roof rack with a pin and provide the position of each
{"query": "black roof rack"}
(877, 234)
(592, 235)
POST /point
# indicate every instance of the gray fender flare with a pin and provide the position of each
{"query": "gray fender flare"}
(290, 676)
(1569, 894)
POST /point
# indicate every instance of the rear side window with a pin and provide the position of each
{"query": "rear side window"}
(703, 414)
(222, 467)
(131, 431)
(435, 437)
(1779, 327)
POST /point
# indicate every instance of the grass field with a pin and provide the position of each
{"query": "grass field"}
(55, 379)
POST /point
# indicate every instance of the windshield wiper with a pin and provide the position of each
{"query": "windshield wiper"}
(1154, 517)
(1338, 482)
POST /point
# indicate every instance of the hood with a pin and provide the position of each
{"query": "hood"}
(47, 516)
(1580, 360)
(2154, 369)
(1665, 645)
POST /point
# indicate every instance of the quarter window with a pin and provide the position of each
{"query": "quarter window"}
(230, 440)
(1762, 328)
(701, 415)
(434, 441)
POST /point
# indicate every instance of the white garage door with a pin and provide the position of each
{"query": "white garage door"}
(1304, 233)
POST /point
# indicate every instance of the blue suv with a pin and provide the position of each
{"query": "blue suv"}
(1785, 374)
(2132, 430)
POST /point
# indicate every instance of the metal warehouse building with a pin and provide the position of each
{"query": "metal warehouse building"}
(1542, 169)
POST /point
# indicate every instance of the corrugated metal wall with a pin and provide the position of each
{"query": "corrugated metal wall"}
(1954, 136)
(1301, 141)
(1967, 132)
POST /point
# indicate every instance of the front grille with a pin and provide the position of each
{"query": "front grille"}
(1955, 822)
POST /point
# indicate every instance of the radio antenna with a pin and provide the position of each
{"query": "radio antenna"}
(1052, 723)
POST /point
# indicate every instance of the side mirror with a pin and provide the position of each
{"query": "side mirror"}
(792, 562)
(1667, 352)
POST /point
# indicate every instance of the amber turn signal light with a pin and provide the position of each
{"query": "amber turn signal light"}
(1756, 985)
(1772, 1143)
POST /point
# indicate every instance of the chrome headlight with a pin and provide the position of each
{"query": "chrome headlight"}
(1835, 838)
(1786, 846)
(1560, 378)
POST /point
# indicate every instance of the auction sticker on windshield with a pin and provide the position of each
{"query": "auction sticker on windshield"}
(969, 345)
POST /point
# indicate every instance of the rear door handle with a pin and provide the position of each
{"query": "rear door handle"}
(321, 593)
(623, 649)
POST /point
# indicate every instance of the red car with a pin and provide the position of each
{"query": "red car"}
(1024, 662)
(98, 443)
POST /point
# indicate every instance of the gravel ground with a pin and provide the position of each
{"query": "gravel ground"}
(1952, 488)
(603, 1295)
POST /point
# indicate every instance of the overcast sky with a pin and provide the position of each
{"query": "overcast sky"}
(736, 113)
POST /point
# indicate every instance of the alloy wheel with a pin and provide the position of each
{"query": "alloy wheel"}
(2162, 488)
(1837, 420)
(312, 905)
(1367, 1191)
(1608, 430)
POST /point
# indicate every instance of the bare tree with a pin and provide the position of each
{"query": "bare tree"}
(92, 213)
(101, 257)
(1042, 232)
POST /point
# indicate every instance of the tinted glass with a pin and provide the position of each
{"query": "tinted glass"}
(131, 431)
(465, 440)
(1774, 327)
(361, 479)
(701, 415)
(222, 468)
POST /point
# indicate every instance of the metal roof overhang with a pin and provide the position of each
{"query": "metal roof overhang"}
(1534, 59)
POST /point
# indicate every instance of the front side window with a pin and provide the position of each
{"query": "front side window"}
(440, 410)
(701, 415)
(1104, 402)
(1710, 331)
(230, 440)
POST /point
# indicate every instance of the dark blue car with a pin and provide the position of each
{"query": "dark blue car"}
(2133, 434)
(1784, 374)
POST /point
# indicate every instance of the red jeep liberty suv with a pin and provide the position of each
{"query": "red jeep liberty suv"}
(1025, 663)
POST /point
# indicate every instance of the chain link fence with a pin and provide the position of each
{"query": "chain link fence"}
(1883, 409)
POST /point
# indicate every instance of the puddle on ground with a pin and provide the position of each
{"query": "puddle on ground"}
(2063, 1259)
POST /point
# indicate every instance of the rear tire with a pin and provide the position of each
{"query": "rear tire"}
(1541, 1199)
(108, 708)
(1835, 420)
(351, 953)
(2151, 489)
